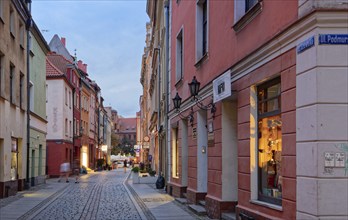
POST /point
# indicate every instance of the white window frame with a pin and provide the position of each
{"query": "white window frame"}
(179, 64)
(199, 30)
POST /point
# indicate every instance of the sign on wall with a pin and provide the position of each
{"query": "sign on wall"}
(222, 86)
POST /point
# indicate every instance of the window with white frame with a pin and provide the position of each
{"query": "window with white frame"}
(179, 56)
(201, 29)
(242, 8)
(269, 142)
(175, 150)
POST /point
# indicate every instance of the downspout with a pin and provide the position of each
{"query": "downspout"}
(28, 25)
(166, 148)
(159, 109)
(73, 140)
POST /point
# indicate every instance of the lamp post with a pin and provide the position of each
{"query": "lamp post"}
(194, 90)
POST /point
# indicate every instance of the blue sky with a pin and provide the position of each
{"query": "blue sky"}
(109, 37)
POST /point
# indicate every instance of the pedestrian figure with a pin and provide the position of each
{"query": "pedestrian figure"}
(125, 165)
(77, 170)
(64, 171)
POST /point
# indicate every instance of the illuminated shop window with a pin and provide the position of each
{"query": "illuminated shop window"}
(175, 158)
(269, 142)
(14, 159)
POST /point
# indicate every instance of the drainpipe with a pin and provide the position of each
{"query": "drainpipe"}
(159, 108)
(28, 26)
(73, 140)
(167, 171)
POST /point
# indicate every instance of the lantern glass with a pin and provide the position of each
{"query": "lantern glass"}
(177, 101)
(194, 86)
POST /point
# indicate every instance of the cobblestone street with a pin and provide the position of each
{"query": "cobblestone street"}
(99, 195)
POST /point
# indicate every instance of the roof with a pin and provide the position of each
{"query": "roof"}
(51, 70)
(56, 64)
(127, 124)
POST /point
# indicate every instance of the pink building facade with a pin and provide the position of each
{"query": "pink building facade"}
(263, 65)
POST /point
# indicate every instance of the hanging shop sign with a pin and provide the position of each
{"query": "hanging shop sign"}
(222, 87)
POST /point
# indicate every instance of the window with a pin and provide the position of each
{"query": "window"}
(40, 160)
(2, 69)
(201, 29)
(21, 90)
(69, 99)
(21, 35)
(244, 12)
(175, 157)
(31, 95)
(77, 101)
(70, 129)
(1, 11)
(179, 57)
(14, 159)
(269, 142)
(12, 83)
(249, 4)
(12, 23)
(66, 127)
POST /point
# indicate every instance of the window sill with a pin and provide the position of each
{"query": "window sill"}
(201, 60)
(248, 17)
(179, 83)
(268, 205)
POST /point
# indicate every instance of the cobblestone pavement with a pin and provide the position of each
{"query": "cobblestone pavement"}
(101, 195)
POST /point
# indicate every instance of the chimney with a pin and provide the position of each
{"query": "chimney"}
(80, 65)
(85, 67)
(63, 40)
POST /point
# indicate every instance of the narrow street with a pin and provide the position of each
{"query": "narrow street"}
(99, 195)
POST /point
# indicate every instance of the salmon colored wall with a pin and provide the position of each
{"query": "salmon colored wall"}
(284, 66)
(225, 46)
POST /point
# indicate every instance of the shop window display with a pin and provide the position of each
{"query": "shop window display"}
(269, 142)
(14, 159)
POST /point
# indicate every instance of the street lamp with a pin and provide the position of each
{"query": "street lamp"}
(194, 89)
(177, 104)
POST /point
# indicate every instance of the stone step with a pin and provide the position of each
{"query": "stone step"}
(228, 216)
(198, 209)
(181, 200)
(201, 202)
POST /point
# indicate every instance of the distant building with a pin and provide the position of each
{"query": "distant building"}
(38, 98)
(59, 113)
